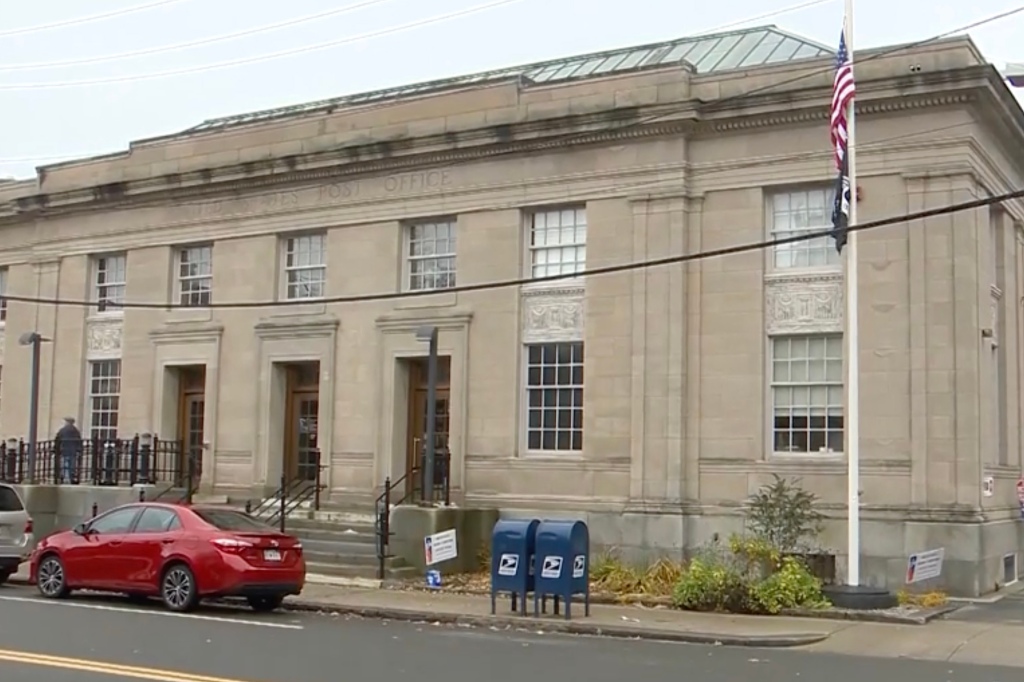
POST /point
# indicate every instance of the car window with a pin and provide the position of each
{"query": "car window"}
(114, 522)
(157, 520)
(9, 500)
(226, 519)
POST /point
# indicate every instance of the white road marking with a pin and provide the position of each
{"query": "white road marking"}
(146, 612)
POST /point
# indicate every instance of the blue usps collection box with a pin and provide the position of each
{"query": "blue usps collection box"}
(562, 564)
(512, 548)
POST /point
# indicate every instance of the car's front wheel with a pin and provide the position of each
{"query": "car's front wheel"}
(178, 588)
(51, 580)
(264, 604)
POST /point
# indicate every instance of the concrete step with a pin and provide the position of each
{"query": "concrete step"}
(348, 535)
(358, 525)
(340, 549)
(335, 559)
(356, 571)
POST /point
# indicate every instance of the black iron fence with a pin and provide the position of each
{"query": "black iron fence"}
(122, 461)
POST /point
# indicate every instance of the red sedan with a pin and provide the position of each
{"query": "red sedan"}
(180, 554)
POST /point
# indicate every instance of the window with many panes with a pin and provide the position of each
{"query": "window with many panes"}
(558, 242)
(195, 276)
(554, 396)
(111, 279)
(807, 393)
(305, 267)
(104, 398)
(798, 213)
(431, 255)
(3, 295)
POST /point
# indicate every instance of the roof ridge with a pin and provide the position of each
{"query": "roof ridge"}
(571, 67)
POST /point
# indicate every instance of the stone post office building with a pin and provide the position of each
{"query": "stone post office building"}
(649, 401)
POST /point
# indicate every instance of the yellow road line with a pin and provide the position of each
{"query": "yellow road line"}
(84, 665)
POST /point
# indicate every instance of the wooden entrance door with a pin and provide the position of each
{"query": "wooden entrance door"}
(418, 389)
(191, 419)
(300, 452)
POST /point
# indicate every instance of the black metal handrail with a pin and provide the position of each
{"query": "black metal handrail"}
(115, 461)
(183, 489)
(382, 505)
(290, 496)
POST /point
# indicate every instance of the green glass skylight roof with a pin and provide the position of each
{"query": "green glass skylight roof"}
(708, 54)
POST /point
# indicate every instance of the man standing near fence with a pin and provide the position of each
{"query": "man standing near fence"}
(69, 446)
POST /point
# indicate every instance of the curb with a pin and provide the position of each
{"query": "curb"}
(559, 626)
(921, 618)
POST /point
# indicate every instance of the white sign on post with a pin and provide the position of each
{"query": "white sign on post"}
(440, 547)
(925, 565)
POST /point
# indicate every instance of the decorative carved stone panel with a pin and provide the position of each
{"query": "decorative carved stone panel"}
(805, 304)
(103, 338)
(552, 315)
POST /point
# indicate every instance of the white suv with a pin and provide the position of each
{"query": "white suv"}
(16, 538)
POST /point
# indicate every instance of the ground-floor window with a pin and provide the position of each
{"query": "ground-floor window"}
(554, 396)
(807, 393)
(104, 398)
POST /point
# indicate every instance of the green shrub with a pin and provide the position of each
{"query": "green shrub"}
(783, 514)
(711, 586)
(791, 586)
(750, 576)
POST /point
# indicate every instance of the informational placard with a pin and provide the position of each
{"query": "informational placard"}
(440, 547)
(1020, 495)
(925, 565)
(988, 486)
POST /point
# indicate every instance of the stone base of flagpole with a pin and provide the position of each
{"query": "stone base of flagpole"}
(860, 597)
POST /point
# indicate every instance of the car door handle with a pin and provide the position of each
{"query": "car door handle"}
(114, 543)
(167, 541)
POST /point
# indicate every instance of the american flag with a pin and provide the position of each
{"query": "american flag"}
(843, 92)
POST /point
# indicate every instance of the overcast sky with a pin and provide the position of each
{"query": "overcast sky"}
(49, 114)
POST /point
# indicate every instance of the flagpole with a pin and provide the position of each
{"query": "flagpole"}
(852, 344)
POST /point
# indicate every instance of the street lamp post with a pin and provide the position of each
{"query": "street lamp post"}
(35, 341)
(429, 335)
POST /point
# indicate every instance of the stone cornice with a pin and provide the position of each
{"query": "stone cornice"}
(793, 108)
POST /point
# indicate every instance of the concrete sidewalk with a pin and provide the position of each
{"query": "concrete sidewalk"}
(991, 643)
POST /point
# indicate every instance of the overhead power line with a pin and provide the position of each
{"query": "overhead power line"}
(87, 19)
(261, 58)
(267, 28)
(649, 119)
(591, 272)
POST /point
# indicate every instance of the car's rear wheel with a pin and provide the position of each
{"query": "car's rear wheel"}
(178, 588)
(264, 604)
(5, 576)
(51, 581)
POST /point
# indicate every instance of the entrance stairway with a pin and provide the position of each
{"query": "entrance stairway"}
(338, 543)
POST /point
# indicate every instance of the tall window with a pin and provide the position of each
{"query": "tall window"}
(798, 213)
(431, 256)
(305, 267)
(554, 396)
(807, 393)
(558, 242)
(111, 277)
(3, 294)
(195, 276)
(104, 398)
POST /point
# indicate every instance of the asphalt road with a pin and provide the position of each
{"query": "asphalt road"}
(100, 640)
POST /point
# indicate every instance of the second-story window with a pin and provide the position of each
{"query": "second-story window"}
(195, 276)
(558, 242)
(305, 267)
(111, 279)
(431, 255)
(798, 213)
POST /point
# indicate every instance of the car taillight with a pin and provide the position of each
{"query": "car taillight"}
(231, 545)
(28, 527)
